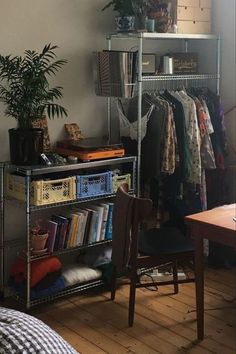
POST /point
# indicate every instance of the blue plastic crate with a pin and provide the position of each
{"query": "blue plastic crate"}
(94, 185)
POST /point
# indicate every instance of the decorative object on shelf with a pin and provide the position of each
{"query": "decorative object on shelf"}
(25, 91)
(42, 123)
(73, 131)
(39, 236)
(185, 63)
(150, 25)
(125, 21)
(160, 12)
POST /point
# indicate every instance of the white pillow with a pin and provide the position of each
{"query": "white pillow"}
(80, 273)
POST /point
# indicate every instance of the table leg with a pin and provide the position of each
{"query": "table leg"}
(199, 283)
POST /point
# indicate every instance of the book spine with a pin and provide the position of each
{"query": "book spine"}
(108, 235)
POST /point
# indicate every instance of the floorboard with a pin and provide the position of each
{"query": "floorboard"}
(164, 323)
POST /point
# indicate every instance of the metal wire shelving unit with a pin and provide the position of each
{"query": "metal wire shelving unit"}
(29, 173)
(156, 82)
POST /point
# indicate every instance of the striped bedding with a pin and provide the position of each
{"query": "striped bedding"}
(23, 334)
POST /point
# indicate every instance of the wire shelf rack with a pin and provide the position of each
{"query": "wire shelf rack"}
(68, 291)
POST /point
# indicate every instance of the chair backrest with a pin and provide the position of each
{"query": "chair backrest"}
(128, 212)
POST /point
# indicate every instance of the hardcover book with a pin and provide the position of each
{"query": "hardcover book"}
(52, 230)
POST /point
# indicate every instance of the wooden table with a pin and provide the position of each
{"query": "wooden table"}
(215, 225)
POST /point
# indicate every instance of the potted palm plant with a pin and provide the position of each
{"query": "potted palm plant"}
(27, 96)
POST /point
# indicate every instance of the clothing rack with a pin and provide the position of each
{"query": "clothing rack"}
(161, 81)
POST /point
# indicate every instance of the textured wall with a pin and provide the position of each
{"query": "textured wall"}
(78, 27)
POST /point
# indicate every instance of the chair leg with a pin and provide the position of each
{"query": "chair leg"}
(113, 283)
(175, 277)
(133, 281)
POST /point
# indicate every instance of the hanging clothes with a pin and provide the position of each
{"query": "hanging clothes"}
(184, 153)
(206, 149)
(130, 130)
(218, 138)
(170, 154)
(177, 146)
(193, 135)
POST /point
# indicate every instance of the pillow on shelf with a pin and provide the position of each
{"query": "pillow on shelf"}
(80, 273)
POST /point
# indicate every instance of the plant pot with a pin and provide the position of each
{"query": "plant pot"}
(26, 145)
(125, 23)
(140, 23)
(38, 242)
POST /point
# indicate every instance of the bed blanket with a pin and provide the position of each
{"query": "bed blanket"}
(24, 334)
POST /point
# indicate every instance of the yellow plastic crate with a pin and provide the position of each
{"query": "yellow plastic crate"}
(42, 192)
(118, 180)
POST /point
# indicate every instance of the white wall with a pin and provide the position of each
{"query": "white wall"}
(78, 27)
(224, 12)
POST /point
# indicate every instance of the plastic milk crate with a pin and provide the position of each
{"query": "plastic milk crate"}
(42, 192)
(94, 185)
(118, 180)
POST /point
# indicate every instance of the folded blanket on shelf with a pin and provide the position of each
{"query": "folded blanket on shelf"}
(35, 293)
(39, 269)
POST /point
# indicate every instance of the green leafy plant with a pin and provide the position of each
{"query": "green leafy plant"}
(141, 7)
(123, 7)
(130, 7)
(24, 86)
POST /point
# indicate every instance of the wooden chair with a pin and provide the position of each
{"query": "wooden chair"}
(133, 250)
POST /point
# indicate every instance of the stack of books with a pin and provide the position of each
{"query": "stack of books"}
(81, 226)
(115, 73)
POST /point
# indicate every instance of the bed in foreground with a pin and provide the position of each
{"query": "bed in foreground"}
(24, 334)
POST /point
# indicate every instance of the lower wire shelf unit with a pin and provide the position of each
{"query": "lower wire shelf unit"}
(66, 292)
(73, 205)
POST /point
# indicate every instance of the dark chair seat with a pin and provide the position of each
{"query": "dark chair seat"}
(163, 241)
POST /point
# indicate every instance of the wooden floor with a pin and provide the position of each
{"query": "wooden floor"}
(164, 323)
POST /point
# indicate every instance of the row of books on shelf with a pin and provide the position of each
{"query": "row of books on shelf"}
(80, 227)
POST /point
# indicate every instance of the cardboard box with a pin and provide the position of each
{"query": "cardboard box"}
(188, 3)
(193, 14)
(202, 14)
(186, 13)
(191, 27)
(194, 3)
(206, 4)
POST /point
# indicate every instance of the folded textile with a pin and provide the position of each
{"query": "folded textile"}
(55, 287)
(39, 269)
(47, 281)
(79, 273)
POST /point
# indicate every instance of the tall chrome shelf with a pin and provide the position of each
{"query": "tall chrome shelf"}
(148, 82)
(33, 171)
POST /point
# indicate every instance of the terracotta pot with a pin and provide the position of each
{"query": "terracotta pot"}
(39, 241)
